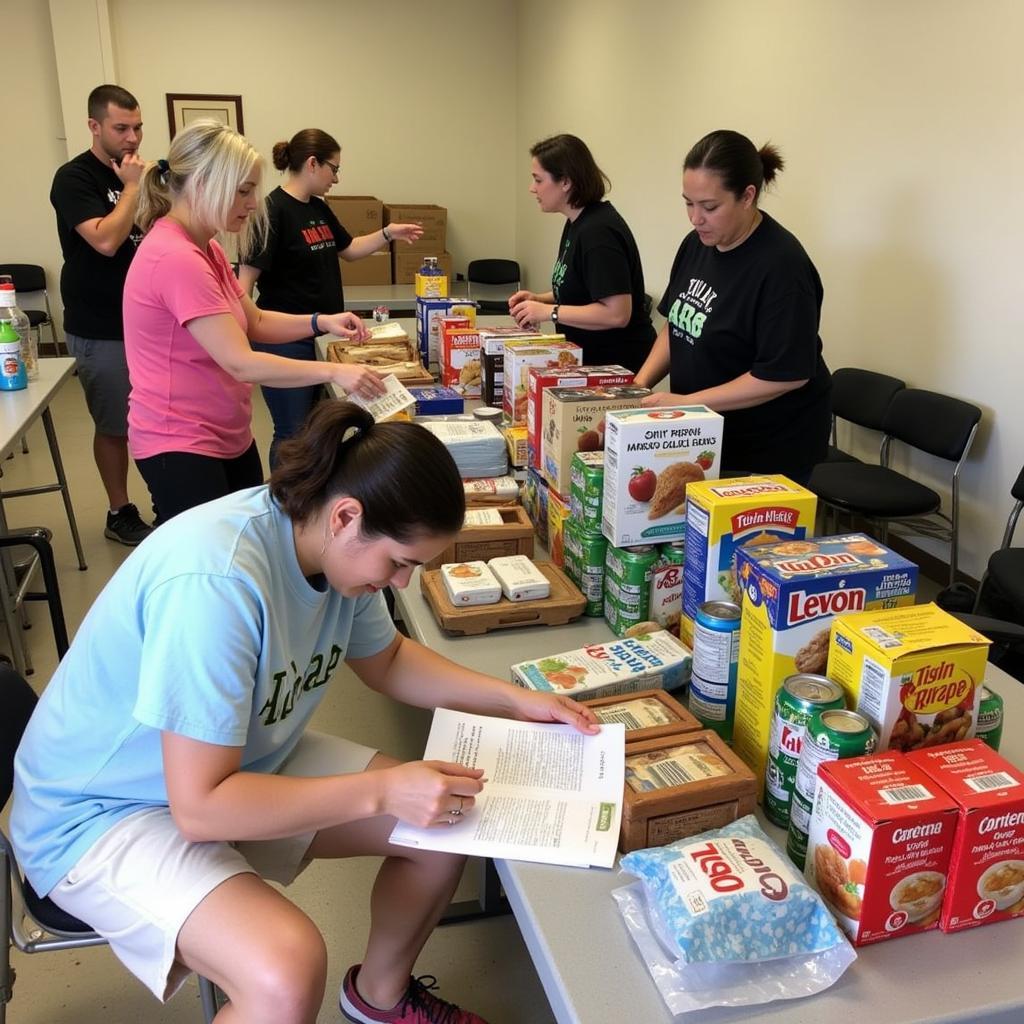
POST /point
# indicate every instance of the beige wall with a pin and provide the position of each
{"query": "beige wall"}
(901, 123)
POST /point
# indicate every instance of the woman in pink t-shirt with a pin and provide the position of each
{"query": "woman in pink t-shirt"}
(188, 323)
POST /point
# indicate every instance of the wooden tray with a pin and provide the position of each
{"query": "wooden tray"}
(393, 355)
(564, 604)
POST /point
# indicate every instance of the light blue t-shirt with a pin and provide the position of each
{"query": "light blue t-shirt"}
(209, 630)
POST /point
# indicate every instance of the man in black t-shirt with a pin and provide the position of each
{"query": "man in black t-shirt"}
(95, 196)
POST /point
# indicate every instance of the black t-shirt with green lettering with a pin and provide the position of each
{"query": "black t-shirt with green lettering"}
(597, 258)
(753, 309)
(299, 271)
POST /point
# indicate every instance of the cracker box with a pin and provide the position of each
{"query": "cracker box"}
(573, 422)
(551, 351)
(491, 490)
(586, 490)
(540, 379)
(656, 661)
(650, 456)
(647, 715)
(459, 359)
(986, 872)
(535, 501)
(723, 515)
(492, 350)
(468, 583)
(429, 313)
(520, 579)
(791, 593)
(881, 836)
(558, 514)
(437, 401)
(914, 673)
(679, 785)
(515, 441)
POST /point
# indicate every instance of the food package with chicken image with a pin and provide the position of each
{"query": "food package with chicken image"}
(650, 457)
(650, 661)
(459, 359)
(792, 591)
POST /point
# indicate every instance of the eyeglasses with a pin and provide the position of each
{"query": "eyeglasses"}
(335, 168)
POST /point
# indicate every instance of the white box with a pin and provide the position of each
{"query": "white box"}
(470, 583)
(520, 579)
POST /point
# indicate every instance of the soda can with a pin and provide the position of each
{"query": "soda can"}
(830, 735)
(584, 563)
(381, 314)
(716, 650)
(990, 718)
(627, 585)
(799, 696)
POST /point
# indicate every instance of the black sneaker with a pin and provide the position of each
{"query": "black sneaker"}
(126, 527)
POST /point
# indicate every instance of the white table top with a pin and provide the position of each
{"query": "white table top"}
(362, 297)
(20, 409)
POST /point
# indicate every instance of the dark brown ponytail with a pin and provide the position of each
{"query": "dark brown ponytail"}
(735, 159)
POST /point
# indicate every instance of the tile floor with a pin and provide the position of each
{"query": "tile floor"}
(483, 965)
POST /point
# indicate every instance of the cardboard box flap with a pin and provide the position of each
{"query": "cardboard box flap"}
(920, 628)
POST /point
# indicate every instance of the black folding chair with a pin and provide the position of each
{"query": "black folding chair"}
(495, 281)
(30, 278)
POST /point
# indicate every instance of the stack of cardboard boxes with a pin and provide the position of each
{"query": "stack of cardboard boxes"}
(362, 215)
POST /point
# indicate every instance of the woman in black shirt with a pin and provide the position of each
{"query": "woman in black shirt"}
(743, 307)
(597, 285)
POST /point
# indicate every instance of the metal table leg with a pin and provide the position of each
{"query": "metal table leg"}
(58, 465)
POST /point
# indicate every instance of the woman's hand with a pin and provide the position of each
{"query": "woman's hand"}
(521, 296)
(405, 232)
(357, 380)
(424, 793)
(529, 312)
(661, 398)
(529, 706)
(346, 325)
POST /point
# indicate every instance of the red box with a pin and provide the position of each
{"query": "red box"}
(459, 356)
(986, 874)
(542, 377)
(881, 836)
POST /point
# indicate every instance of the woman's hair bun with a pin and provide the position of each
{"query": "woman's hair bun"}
(281, 155)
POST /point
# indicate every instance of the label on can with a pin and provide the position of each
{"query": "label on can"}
(716, 647)
(584, 563)
(990, 718)
(627, 583)
(667, 587)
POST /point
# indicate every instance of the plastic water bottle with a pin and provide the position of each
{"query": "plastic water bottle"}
(12, 369)
(19, 322)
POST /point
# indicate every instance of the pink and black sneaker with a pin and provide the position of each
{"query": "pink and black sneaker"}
(417, 1006)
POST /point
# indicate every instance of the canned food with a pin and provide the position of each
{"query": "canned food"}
(667, 587)
(830, 735)
(799, 696)
(716, 648)
(990, 718)
(627, 585)
(381, 314)
(584, 562)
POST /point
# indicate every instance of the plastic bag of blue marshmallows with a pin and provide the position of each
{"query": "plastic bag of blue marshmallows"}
(724, 919)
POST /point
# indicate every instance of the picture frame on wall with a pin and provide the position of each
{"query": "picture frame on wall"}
(185, 107)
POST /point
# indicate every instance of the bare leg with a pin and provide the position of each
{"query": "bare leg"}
(111, 455)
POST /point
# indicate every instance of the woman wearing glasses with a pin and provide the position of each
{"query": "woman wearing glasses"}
(298, 267)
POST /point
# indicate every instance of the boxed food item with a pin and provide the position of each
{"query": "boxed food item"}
(540, 379)
(459, 359)
(679, 785)
(492, 347)
(498, 490)
(520, 579)
(374, 269)
(650, 456)
(724, 515)
(879, 848)
(430, 286)
(914, 673)
(437, 401)
(470, 583)
(657, 661)
(585, 555)
(558, 515)
(550, 351)
(515, 440)
(429, 314)
(573, 423)
(791, 593)
(667, 586)
(359, 215)
(433, 219)
(488, 533)
(535, 501)
(586, 489)
(405, 265)
(986, 872)
(647, 715)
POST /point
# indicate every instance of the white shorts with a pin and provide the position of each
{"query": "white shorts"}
(138, 883)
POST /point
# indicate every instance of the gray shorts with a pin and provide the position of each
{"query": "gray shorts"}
(103, 371)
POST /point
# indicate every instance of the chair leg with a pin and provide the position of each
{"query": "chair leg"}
(6, 970)
(210, 996)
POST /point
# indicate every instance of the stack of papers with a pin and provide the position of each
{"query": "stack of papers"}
(553, 795)
(395, 400)
(478, 448)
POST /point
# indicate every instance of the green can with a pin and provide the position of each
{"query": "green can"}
(627, 585)
(584, 562)
(799, 696)
(829, 736)
(990, 718)
(586, 489)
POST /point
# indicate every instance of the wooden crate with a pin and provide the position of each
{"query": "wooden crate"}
(394, 355)
(564, 604)
(679, 719)
(661, 816)
(481, 543)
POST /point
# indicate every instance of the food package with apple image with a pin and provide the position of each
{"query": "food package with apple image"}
(650, 457)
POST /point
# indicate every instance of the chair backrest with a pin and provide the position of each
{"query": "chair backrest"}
(863, 396)
(1017, 490)
(935, 423)
(17, 701)
(493, 272)
(27, 277)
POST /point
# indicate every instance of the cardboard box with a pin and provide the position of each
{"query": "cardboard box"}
(433, 219)
(572, 419)
(986, 872)
(429, 314)
(482, 543)
(459, 358)
(515, 439)
(880, 844)
(792, 592)
(359, 215)
(405, 265)
(914, 673)
(650, 456)
(647, 715)
(492, 346)
(724, 515)
(680, 785)
(550, 351)
(558, 513)
(373, 269)
(437, 401)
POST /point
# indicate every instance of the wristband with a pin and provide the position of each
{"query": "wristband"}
(384, 232)
(314, 323)
(554, 313)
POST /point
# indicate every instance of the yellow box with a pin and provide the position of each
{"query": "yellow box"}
(725, 515)
(431, 286)
(558, 513)
(515, 441)
(914, 673)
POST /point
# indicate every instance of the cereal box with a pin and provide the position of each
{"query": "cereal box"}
(573, 421)
(879, 847)
(650, 455)
(492, 349)
(429, 313)
(558, 513)
(551, 351)
(792, 592)
(986, 873)
(914, 673)
(723, 515)
(541, 378)
(655, 661)
(459, 358)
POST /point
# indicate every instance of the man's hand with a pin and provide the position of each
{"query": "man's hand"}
(130, 169)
